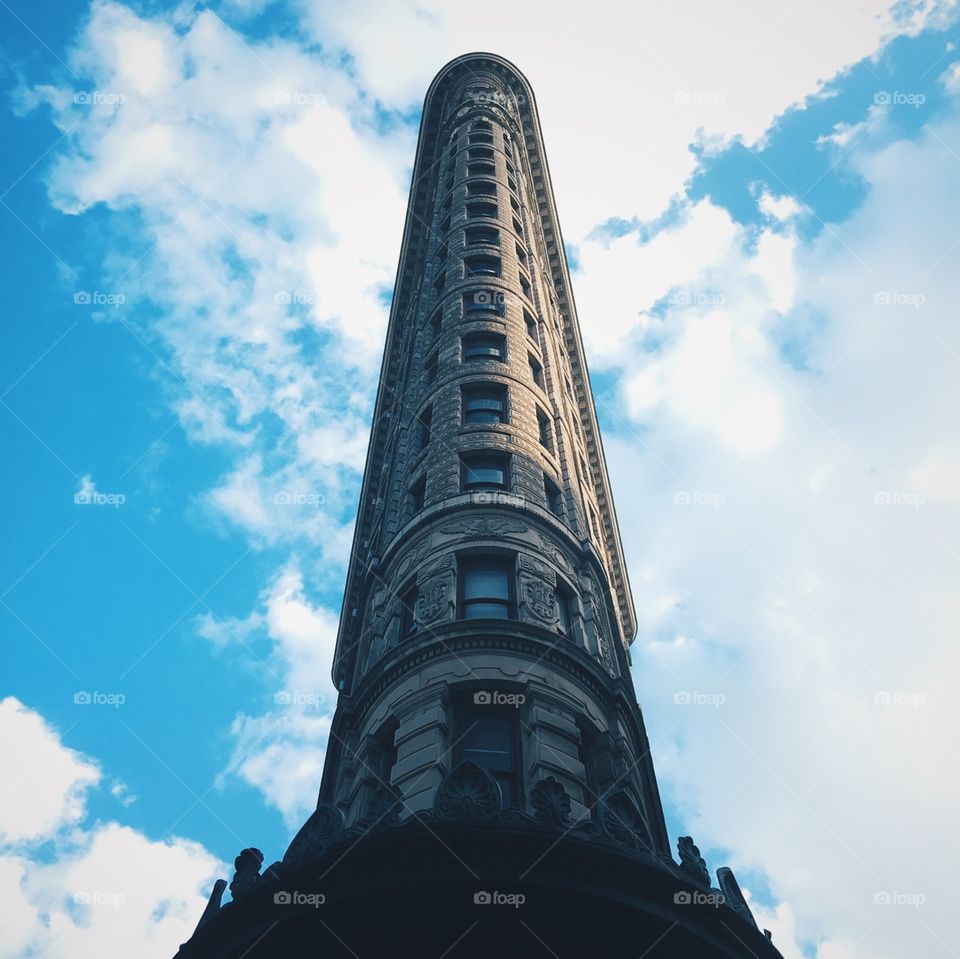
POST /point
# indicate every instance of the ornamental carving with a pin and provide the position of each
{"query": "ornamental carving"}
(433, 599)
(484, 528)
(247, 874)
(551, 803)
(540, 598)
(691, 863)
(732, 895)
(468, 792)
(536, 567)
(622, 821)
(316, 835)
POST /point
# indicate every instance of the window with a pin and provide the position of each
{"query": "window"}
(531, 325)
(486, 588)
(521, 255)
(484, 471)
(481, 125)
(482, 209)
(481, 265)
(435, 323)
(385, 756)
(441, 281)
(483, 346)
(488, 737)
(484, 138)
(515, 207)
(512, 184)
(484, 301)
(448, 202)
(442, 251)
(408, 613)
(430, 368)
(418, 494)
(517, 226)
(482, 188)
(484, 404)
(543, 426)
(481, 169)
(525, 286)
(565, 607)
(446, 224)
(424, 423)
(482, 234)
(479, 153)
(449, 184)
(554, 497)
(536, 370)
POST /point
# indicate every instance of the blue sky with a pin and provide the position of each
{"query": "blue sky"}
(765, 278)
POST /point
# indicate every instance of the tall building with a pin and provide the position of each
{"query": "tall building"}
(488, 779)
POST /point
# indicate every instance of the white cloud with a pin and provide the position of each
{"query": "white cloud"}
(812, 582)
(280, 752)
(70, 889)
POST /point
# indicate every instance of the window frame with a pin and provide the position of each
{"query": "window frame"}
(487, 563)
(492, 392)
(469, 340)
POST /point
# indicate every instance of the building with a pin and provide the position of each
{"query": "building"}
(488, 780)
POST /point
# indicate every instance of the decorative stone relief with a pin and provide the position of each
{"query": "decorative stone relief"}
(382, 805)
(533, 565)
(435, 598)
(550, 803)
(247, 874)
(484, 528)
(622, 821)
(468, 792)
(316, 834)
(691, 863)
(540, 598)
(732, 895)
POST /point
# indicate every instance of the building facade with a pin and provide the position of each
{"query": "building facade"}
(486, 718)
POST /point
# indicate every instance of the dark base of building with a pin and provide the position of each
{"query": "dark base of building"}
(431, 889)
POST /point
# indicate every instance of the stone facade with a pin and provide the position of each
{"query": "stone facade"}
(484, 356)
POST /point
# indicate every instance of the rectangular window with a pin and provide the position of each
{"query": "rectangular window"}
(543, 427)
(515, 207)
(488, 737)
(525, 286)
(480, 138)
(481, 169)
(565, 609)
(531, 325)
(424, 424)
(408, 613)
(418, 494)
(554, 497)
(479, 153)
(517, 227)
(482, 234)
(436, 322)
(441, 281)
(487, 591)
(521, 255)
(484, 301)
(484, 404)
(482, 188)
(484, 471)
(512, 184)
(481, 265)
(482, 209)
(483, 346)
(536, 370)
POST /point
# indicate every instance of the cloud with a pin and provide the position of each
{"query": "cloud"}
(798, 508)
(280, 752)
(70, 888)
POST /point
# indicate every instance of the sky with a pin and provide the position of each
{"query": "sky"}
(201, 210)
